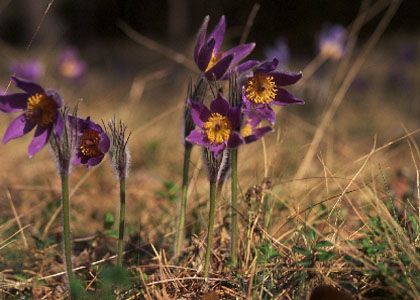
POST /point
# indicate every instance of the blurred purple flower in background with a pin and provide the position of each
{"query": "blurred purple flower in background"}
(70, 65)
(215, 126)
(31, 69)
(408, 52)
(332, 41)
(93, 142)
(213, 62)
(279, 50)
(264, 88)
(40, 110)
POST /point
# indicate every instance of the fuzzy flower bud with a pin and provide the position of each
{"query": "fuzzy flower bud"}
(120, 156)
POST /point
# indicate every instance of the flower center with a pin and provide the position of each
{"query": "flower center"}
(69, 69)
(217, 128)
(261, 89)
(41, 109)
(89, 143)
(332, 50)
(213, 60)
(246, 130)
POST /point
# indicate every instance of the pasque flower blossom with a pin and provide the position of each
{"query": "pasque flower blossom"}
(39, 109)
(213, 62)
(31, 69)
(332, 41)
(264, 89)
(70, 65)
(93, 142)
(215, 126)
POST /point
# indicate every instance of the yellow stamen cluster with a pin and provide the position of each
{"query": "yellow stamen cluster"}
(41, 109)
(89, 143)
(217, 128)
(246, 130)
(261, 89)
(213, 60)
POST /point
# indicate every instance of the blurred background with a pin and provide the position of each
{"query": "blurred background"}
(133, 59)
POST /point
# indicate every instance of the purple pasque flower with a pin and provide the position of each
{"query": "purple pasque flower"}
(31, 69)
(213, 62)
(251, 130)
(332, 41)
(215, 126)
(39, 109)
(93, 142)
(264, 89)
(279, 50)
(70, 65)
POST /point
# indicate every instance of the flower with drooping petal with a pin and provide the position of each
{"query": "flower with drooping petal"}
(70, 65)
(93, 142)
(251, 130)
(215, 126)
(264, 89)
(31, 69)
(280, 50)
(39, 109)
(213, 62)
(332, 42)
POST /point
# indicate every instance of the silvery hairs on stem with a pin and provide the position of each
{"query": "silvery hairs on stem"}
(235, 101)
(63, 146)
(194, 94)
(119, 154)
(212, 163)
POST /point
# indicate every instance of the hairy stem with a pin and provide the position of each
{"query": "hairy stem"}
(122, 223)
(234, 208)
(212, 212)
(183, 204)
(66, 225)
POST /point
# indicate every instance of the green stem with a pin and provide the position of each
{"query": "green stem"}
(66, 225)
(183, 204)
(122, 223)
(234, 208)
(212, 213)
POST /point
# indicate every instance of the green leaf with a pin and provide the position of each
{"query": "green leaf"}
(303, 251)
(323, 244)
(307, 262)
(109, 220)
(311, 234)
(325, 255)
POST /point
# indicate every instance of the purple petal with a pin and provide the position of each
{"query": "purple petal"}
(268, 66)
(283, 97)
(40, 139)
(220, 68)
(58, 126)
(218, 33)
(201, 37)
(104, 142)
(217, 149)
(56, 97)
(77, 159)
(240, 52)
(258, 114)
(199, 113)
(27, 86)
(241, 68)
(235, 140)
(219, 105)
(13, 102)
(234, 116)
(197, 137)
(205, 54)
(93, 161)
(283, 79)
(257, 133)
(17, 128)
